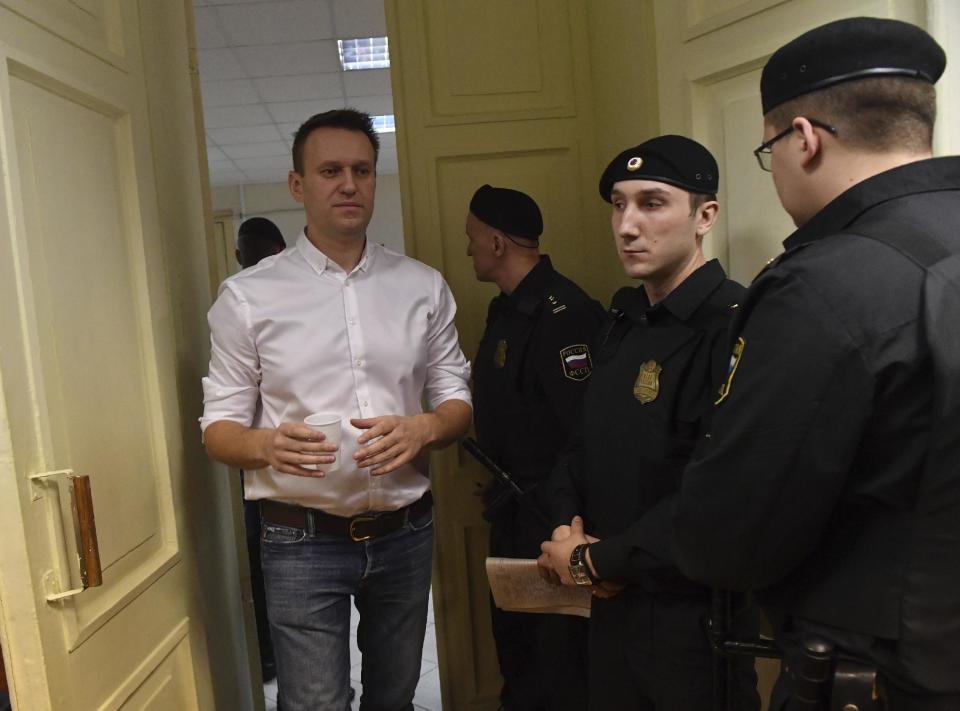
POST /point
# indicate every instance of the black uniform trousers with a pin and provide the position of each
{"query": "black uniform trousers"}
(650, 652)
(539, 654)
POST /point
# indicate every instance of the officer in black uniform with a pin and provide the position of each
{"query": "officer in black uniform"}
(661, 356)
(831, 479)
(529, 377)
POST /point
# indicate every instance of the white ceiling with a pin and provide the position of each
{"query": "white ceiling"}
(268, 65)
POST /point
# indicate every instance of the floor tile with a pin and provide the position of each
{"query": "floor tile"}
(430, 644)
(428, 691)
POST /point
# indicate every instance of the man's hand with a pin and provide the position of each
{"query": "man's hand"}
(543, 563)
(606, 589)
(287, 448)
(394, 441)
(554, 562)
(291, 445)
(555, 554)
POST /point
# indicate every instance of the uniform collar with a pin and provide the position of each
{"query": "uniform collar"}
(531, 290)
(682, 302)
(321, 262)
(929, 175)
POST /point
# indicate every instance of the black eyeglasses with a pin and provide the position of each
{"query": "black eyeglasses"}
(763, 152)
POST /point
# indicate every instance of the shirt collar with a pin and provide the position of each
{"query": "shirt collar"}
(930, 175)
(533, 287)
(320, 261)
(682, 302)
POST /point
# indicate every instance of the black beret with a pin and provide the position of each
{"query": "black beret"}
(510, 211)
(855, 48)
(260, 228)
(675, 160)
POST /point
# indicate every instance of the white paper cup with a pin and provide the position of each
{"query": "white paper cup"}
(329, 424)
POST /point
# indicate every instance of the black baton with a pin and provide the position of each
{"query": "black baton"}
(473, 447)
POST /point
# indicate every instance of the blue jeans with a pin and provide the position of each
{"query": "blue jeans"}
(309, 581)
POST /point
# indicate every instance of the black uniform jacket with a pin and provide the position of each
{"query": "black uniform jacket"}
(531, 370)
(649, 401)
(814, 484)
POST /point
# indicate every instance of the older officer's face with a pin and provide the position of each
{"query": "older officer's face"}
(338, 184)
(658, 239)
(480, 248)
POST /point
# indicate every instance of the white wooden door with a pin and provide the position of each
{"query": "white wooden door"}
(87, 363)
(486, 92)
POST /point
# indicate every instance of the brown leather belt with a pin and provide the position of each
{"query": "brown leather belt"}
(357, 528)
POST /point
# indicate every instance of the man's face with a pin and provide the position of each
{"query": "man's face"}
(339, 182)
(653, 229)
(480, 247)
(788, 177)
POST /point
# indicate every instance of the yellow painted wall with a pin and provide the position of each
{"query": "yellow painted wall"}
(623, 74)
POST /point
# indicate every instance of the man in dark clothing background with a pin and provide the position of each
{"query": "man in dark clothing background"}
(257, 238)
(530, 373)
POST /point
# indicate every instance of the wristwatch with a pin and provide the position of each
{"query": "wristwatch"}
(579, 570)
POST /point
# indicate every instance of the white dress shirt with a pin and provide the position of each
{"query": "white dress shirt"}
(296, 334)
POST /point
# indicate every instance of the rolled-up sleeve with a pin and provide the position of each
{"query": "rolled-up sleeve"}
(448, 372)
(231, 388)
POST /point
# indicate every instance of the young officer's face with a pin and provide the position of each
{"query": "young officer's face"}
(655, 233)
(339, 181)
(789, 177)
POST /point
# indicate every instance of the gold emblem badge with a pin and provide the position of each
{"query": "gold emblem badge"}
(731, 369)
(500, 357)
(634, 164)
(647, 386)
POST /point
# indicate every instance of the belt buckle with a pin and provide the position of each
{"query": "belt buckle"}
(359, 519)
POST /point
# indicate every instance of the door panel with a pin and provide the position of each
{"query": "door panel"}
(468, 79)
(85, 359)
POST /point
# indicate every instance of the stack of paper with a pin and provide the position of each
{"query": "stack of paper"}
(517, 587)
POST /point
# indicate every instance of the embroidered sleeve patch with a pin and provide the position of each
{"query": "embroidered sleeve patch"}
(576, 362)
(731, 369)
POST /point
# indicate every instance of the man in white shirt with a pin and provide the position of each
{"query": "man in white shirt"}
(338, 324)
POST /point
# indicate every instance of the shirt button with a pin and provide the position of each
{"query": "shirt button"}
(351, 321)
(364, 403)
(359, 363)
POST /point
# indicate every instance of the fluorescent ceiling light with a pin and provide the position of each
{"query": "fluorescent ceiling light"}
(384, 124)
(364, 53)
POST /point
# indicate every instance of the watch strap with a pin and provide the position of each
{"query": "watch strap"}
(579, 569)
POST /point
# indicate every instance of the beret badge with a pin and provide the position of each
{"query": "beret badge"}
(634, 164)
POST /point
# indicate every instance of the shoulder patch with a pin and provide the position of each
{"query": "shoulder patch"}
(555, 304)
(731, 369)
(576, 362)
